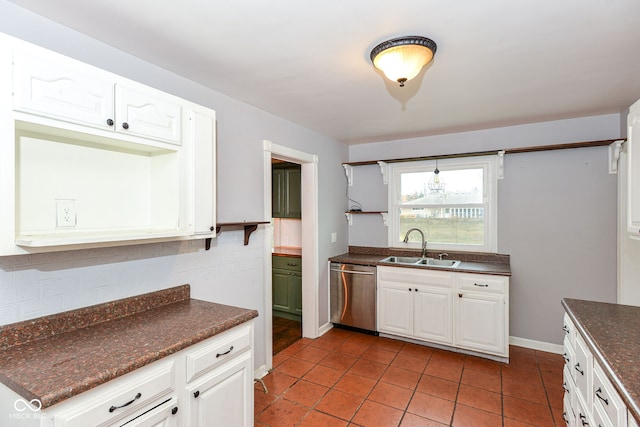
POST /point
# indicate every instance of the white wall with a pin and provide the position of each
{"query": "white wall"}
(230, 273)
(556, 213)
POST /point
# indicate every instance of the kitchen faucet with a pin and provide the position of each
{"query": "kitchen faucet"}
(424, 242)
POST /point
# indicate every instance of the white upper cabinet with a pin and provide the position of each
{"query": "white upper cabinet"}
(633, 175)
(97, 159)
(145, 112)
(50, 85)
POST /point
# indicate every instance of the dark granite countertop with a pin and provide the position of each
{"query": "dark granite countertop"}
(480, 263)
(56, 357)
(611, 332)
(287, 251)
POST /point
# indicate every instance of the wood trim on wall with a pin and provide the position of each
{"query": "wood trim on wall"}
(488, 153)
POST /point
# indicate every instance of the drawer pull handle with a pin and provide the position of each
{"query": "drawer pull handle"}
(564, 417)
(292, 264)
(196, 393)
(583, 420)
(174, 410)
(564, 386)
(598, 391)
(113, 408)
(564, 328)
(225, 353)
(578, 368)
(481, 285)
(565, 357)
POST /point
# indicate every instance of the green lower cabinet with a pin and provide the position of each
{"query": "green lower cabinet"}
(287, 288)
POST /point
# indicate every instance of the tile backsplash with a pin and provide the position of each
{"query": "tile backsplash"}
(287, 233)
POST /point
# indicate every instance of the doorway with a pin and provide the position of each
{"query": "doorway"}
(286, 259)
(309, 240)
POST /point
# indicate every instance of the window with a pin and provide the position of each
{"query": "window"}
(456, 208)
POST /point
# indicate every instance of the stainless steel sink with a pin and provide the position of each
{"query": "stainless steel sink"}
(439, 262)
(402, 259)
(428, 262)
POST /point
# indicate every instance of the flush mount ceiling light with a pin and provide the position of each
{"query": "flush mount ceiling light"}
(402, 58)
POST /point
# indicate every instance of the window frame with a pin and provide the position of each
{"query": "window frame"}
(489, 165)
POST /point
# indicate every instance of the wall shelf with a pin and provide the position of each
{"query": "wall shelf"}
(349, 215)
(249, 227)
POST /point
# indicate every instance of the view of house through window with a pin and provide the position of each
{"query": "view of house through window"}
(452, 207)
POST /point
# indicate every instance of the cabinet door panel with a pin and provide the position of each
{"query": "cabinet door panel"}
(481, 322)
(53, 86)
(395, 310)
(148, 113)
(281, 290)
(202, 135)
(293, 206)
(225, 397)
(633, 174)
(433, 315)
(296, 293)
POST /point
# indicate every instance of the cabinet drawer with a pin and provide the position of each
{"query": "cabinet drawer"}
(583, 371)
(569, 356)
(217, 350)
(569, 330)
(606, 398)
(117, 398)
(483, 283)
(416, 276)
(287, 263)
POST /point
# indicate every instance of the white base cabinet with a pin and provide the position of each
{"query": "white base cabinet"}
(590, 398)
(209, 384)
(462, 310)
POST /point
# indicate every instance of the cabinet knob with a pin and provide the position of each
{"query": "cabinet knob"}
(109, 122)
(212, 228)
(460, 295)
(174, 410)
(196, 393)
(125, 125)
(410, 289)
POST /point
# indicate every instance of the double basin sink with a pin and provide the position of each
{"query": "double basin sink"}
(427, 262)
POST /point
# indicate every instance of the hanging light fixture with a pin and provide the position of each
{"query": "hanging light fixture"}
(402, 58)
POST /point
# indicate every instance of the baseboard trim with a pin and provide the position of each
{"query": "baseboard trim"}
(260, 372)
(324, 328)
(536, 345)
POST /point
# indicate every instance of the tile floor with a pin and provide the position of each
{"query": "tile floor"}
(346, 378)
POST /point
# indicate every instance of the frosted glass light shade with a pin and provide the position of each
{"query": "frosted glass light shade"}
(402, 59)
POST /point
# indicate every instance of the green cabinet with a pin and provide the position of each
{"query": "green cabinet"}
(287, 287)
(286, 191)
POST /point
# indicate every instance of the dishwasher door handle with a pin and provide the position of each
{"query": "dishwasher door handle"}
(366, 273)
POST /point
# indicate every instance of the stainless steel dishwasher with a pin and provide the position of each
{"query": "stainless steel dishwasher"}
(353, 296)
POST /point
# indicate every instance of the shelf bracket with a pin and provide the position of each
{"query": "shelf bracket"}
(348, 170)
(349, 218)
(501, 164)
(384, 169)
(249, 227)
(614, 156)
(384, 218)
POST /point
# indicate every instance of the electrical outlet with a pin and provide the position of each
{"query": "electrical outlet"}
(66, 213)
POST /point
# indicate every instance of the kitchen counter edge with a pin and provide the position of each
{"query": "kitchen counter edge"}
(477, 267)
(39, 369)
(610, 331)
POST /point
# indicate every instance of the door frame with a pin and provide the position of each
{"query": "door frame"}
(310, 270)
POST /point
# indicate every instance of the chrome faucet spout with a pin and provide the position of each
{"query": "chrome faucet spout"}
(424, 241)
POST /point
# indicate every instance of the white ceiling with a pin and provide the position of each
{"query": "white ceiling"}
(498, 63)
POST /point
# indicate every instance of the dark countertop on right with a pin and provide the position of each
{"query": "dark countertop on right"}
(611, 332)
(480, 263)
